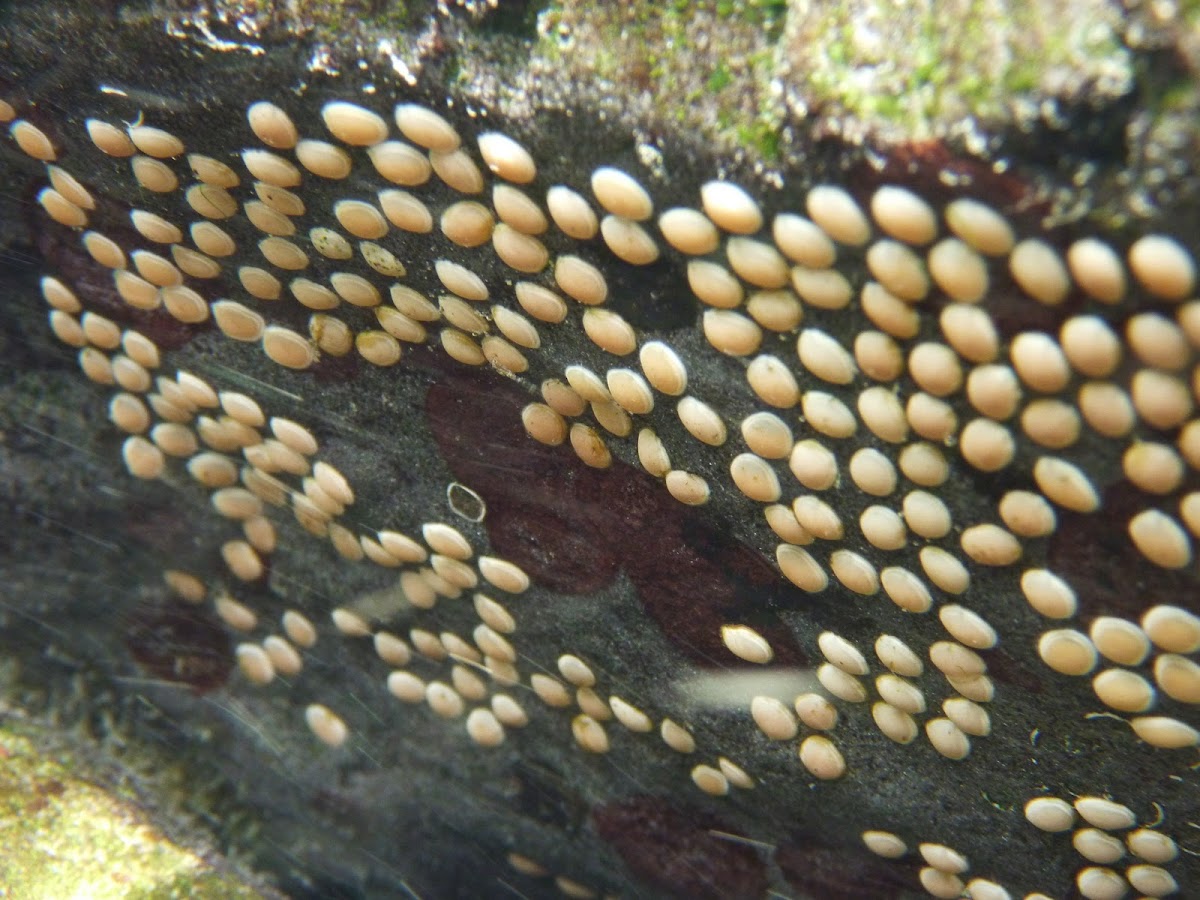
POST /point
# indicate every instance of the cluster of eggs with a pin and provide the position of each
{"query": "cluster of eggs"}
(867, 407)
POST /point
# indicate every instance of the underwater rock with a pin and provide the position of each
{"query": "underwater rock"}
(497, 484)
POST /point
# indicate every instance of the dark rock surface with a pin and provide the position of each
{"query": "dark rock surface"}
(1093, 133)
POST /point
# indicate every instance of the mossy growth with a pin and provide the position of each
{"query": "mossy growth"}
(706, 65)
(66, 837)
(335, 19)
(927, 66)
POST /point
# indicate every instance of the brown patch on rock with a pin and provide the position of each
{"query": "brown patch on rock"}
(572, 527)
(674, 849)
(820, 869)
(1095, 555)
(179, 644)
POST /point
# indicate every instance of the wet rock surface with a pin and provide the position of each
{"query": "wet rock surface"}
(1087, 135)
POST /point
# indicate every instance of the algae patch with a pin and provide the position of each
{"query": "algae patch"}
(64, 837)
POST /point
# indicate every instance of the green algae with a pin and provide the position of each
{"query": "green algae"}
(705, 65)
(64, 836)
(926, 65)
(734, 70)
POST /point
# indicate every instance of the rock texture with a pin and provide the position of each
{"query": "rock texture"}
(594, 732)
